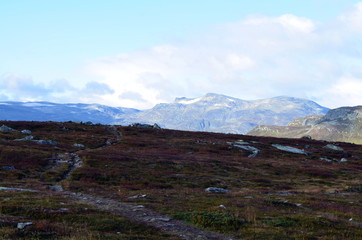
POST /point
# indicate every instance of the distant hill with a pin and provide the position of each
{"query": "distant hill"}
(47, 111)
(211, 113)
(341, 124)
(220, 113)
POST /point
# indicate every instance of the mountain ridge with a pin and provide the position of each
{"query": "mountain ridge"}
(211, 112)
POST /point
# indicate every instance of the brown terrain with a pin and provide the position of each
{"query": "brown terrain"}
(83, 181)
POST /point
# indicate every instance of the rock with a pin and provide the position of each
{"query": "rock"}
(290, 149)
(21, 226)
(5, 128)
(222, 206)
(138, 196)
(27, 138)
(26, 131)
(160, 219)
(7, 168)
(49, 142)
(307, 137)
(343, 160)
(334, 147)
(78, 145)
(326, 159)
(242, 142)
(253, 150)
(248, 197)
(216, 190)
(143, 125)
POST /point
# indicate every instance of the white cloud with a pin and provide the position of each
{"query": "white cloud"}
(17, 87)
(353, 18)
(257, 57)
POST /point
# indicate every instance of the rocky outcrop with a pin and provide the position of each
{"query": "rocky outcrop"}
(341, 124)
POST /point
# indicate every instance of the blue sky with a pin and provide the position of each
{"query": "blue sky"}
(138, 53)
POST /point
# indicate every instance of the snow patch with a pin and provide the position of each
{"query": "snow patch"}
(189, 101)
(35, 104)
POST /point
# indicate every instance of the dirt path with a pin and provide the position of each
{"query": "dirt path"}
(140, 214)
(136, 213)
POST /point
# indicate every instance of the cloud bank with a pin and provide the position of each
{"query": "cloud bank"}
(257, 57)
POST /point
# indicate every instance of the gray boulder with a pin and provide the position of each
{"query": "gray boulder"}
(334, 147)
(23, 225)
(5, 128)
(290, 149)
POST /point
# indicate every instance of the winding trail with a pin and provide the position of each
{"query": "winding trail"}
(136, 213)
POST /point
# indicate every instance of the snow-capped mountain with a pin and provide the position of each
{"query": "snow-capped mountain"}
(47, 111)
(220, 113)
(212, 112)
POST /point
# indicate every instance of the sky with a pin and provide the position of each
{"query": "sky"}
(139, 53)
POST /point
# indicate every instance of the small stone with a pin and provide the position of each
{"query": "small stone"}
(27, 138)
(78, 145)
(222, 206)
(138, 196)
(7, 168)
(49, 142)
(216, 190)
(21, 226)
(26, 131)
(163, 219)
(343, 160)
(139, 206)
(325, 159)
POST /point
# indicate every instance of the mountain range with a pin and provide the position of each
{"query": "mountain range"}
(211, 112)
(220, 113)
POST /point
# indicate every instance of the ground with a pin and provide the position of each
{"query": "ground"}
(129, 183)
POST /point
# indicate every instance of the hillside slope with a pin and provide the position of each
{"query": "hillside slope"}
(341, 124)
(244, 186)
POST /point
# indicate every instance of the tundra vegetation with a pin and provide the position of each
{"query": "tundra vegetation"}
(272, 195)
